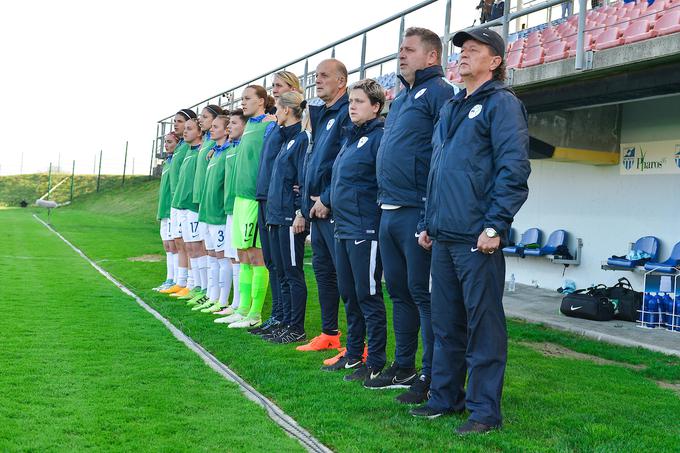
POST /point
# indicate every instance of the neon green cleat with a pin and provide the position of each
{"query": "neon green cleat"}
(213, 308)
(193, 293)
(200, 306)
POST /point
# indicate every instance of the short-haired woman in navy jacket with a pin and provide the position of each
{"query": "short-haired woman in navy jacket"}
(354, 193)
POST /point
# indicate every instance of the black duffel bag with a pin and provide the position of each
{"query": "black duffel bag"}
(591, 303)
(627, 301)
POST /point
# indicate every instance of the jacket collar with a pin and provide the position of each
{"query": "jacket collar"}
(489, 87)
(343, 101)
(423, 75)
(352, 131)
(288, 132)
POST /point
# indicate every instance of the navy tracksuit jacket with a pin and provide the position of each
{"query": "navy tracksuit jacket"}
(271, 146)
(403, 164)
(478, 179)
(327, 126)
(357, 216)
(288, 248)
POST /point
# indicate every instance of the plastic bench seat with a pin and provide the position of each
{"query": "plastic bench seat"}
(556, 51)
(669, 266)
(646, 244)
(556, 239)
(637, 31)
(610, 38)
(669, 23)
(533, 56)
(530, 236)
(514, 59)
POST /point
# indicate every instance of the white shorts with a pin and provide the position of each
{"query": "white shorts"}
(214, 239)
(203, 229)
(175, 224)
(229, 250)
(189, 224)
(166, 230)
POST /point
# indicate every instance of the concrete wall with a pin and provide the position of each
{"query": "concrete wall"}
(605, 209)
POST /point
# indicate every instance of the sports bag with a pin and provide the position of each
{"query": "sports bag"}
(627, 301)
(591, 303)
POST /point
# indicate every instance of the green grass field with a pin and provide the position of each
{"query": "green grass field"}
(555, 404)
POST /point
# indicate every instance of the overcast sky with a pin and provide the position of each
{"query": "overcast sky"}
(80, 76)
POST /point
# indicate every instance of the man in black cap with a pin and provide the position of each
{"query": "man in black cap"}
(477, 183)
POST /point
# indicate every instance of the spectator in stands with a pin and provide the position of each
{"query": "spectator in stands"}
(497, 10)
(403, 164)
(284, 81)
(354, 189)
(328, 122)
(485, 10)
(254, 278)
(164, 200)
(567, 8)
(477, 183)
(595, 3)
(285, 223)
(183, 277)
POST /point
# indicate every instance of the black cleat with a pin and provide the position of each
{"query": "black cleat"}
(473, 427)
(426, 411)
(344, 364)
(393, 378)
(289, 336)
(264, 327)
(418, 393)
(363, 373)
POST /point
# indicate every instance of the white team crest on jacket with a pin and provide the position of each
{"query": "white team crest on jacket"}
(362, 142)
(476, 110)
(420, 93)
(290, 143)
(330, 124)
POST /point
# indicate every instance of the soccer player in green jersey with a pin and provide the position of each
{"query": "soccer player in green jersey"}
(254, 278)
(207, 260)
(237, 124)
(164, 199)
(182, 276)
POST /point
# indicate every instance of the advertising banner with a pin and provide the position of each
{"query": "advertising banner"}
(651, 158)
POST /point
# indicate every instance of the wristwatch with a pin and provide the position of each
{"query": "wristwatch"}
(298, 213)
(490, 232)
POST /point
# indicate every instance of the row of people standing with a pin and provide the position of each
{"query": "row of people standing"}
(367, 192)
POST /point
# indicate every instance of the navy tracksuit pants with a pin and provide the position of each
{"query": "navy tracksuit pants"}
(274, 283)
(407, 275)
(470, 335)
(359, 280)
(323, 262)
(288, 251)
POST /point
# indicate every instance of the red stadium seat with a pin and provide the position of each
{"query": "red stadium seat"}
(638, 30)
(556, 51)
(513, 59)
(533, 56)
(669, 23)
(533, 39)
(629, 13)
(610, 38)
(516, 45)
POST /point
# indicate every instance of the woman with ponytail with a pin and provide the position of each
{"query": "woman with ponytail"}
(164, 200)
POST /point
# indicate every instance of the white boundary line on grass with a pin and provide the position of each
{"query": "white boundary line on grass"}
(289, 425)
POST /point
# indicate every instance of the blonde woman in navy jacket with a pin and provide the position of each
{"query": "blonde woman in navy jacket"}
(354, 192)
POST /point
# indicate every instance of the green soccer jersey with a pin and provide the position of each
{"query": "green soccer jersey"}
(248, 159)
(177, 159)
(164, 194)
(230, 157)
(211, 208)
(201, 166)
(183, 198)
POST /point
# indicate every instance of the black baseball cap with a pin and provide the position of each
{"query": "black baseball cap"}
(483, 35)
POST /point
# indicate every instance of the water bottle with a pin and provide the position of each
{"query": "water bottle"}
(651, 311)
(511, 284)
(666, 308)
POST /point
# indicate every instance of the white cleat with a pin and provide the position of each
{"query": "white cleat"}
(229, 319)
(246, 323)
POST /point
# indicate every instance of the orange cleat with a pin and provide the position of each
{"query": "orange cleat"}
(365, 354)
(333, 360)
(171, 290)
(181, 293)
(321, 343)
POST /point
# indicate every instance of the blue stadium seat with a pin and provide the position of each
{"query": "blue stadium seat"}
(670, 265)
(530, 236)
(556, 239)
(646, 244)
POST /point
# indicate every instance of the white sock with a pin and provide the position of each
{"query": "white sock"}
(225, 277)
(182, 276)
(170, 265)
(235, 270)
(213, 278)
(203, 271)
(190, 279)
(175, 262)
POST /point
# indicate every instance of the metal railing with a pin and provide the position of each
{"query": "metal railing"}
(231, 97)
